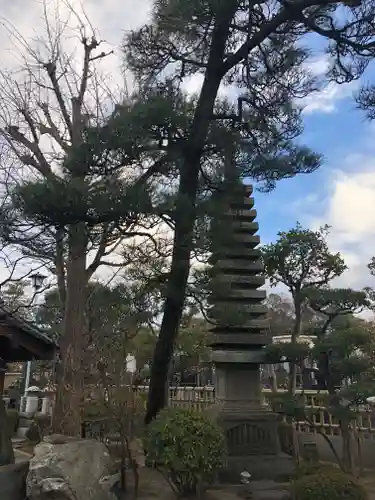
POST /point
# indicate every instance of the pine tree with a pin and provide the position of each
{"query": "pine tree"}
(300, 259)
(254, 47)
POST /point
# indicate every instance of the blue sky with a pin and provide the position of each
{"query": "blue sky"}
(341, 193)
(336, 135)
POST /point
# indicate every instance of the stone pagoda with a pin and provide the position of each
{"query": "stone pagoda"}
(239, 336)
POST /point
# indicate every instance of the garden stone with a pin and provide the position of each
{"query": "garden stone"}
(73, 469)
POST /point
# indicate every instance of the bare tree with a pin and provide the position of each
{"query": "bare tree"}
(71, 202)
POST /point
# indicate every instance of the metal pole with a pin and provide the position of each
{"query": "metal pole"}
(27, 377)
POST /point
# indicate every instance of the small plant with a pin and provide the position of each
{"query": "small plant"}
(328, 485)
(187, 447)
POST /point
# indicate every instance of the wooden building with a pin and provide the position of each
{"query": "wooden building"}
(21, 341)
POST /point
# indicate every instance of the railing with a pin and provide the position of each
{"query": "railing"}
(201, 398)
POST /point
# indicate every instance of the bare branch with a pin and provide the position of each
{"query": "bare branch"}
(52, 128)
(50, 67)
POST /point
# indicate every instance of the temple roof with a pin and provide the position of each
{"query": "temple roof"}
(20, 340)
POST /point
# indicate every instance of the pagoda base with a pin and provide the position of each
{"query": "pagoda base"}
(252, 445)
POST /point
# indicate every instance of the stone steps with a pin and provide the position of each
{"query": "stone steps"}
(266, 490)
(255, 490)
(17, 442)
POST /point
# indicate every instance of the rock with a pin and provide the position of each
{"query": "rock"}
(111, 484)
(76, 469)
(59, 439)
(13, 481)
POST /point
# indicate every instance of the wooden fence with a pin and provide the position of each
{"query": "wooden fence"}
(201, 398)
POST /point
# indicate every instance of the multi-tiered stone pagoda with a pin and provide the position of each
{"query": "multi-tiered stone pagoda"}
(240, 334)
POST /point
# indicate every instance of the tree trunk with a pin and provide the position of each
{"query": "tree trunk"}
(67, 414)
(175, 296)
(272, 377)
(186, 214)
(358, 439)
(295, 334)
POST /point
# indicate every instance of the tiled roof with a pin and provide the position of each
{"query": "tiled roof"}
(26, 326)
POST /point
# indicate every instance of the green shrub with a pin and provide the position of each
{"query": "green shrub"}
(12, 421)
(329, 485)
(187, 446)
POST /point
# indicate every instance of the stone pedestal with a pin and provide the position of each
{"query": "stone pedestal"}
(238, 340)
(46, 406)
(253, 446)
(250, 428)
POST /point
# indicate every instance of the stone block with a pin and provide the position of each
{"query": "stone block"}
(310, 452)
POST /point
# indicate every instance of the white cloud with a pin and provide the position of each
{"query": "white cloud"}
(322, 101)
(110, 20)
(350, 210)
(325, 100)
(317, 66)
